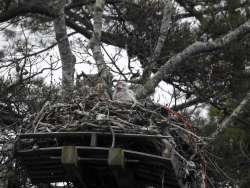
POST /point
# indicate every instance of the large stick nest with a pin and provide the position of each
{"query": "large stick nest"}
(106, 116)
(93, 114)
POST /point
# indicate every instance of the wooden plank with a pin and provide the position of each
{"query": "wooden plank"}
(147, 179)
(82, 134)
(69, 155)
(69, 160)
(99, 154)
(59, 177)
(38, 152)
(148, 170)
(128, 153)
(87, 150)
(42, 185)
(44, 167)
(36, 180)
(41, 163)
(93, 141)
(116, 158)
(47, 172)
(156, 176)
(146, 157)
(40, 158)
(124, 177)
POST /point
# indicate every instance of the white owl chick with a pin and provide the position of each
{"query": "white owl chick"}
(123, 94)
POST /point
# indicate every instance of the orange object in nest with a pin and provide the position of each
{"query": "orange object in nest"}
(179, 116)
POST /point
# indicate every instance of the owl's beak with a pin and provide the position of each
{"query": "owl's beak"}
(119, 88)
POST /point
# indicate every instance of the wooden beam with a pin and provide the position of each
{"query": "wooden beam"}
(37, 180)
(124, 178)
(81, 134)
(42, 185)
(93, 141)
(116, 160)
(69, 159)
(85, 153)
(95, 150)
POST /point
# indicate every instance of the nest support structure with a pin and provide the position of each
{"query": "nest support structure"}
(95, 144)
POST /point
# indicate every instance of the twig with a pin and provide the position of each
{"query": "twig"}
(40, 116)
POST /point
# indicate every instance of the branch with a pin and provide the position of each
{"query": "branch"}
(118, 40)
(115, 65)
(95, 43)
(190, 8)
(21, 8)
(165, 26)
(187, 104)
(35, 7)
(15, 84)
(242, 108)
(194, 49)
(166, 23)
(67, 57)
(39, 7)
(37, 52)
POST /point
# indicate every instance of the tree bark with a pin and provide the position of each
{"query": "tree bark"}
(166, 23)
(95, 44)
(67, 57)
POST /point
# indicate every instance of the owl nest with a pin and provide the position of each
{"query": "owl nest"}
(97, 115)
(114, 117)
(159, 130)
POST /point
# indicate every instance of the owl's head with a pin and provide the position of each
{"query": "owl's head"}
(121, 85)
(90, 80)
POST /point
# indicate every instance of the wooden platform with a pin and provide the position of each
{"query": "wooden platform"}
(87, 160)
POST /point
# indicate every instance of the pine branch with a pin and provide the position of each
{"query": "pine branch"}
(194, 49)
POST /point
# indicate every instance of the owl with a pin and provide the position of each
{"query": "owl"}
(92, 85)
(123, 93)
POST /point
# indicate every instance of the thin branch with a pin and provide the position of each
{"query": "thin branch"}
(188, 104)
(40, 51)
(166, 23)
(67, 57)
(114, 63)
(95, 43)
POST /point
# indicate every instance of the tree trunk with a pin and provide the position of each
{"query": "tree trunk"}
(67, 57)
(166, 24)
(95, 45)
